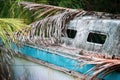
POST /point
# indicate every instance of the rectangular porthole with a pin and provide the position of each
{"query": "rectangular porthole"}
(71, 33)
(96, 38)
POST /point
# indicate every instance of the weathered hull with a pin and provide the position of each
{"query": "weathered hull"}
(26, 70)
(51, 65)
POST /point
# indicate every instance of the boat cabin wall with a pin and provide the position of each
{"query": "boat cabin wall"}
(99, 35)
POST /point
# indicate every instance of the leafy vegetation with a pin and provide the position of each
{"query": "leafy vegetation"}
(8, 26)
(10, 9)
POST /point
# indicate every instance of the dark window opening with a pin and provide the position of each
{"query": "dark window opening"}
(71, 33)
(96, 38)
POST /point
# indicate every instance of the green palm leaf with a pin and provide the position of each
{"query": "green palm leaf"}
(8, 27)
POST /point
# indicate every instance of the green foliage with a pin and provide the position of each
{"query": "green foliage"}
(110, 6)
(75, 4)
(54, 2)
(11, 9)
(8, 28)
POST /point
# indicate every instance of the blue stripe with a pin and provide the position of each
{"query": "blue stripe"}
(61, 61)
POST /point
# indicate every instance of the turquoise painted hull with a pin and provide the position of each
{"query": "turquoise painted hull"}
(61, 61)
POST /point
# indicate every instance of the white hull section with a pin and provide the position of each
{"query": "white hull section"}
(26, 70)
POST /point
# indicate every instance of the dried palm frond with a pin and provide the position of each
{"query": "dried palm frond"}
(45, 10)
(49, 30)
(52, 27)
(104, 64)
(6, 58)
(103, 68)
(42, 10)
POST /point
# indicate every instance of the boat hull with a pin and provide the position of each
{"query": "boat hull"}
(41, 61)
(27, 70)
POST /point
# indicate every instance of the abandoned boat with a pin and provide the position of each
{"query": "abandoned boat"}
(63, 62)
(88, 49)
